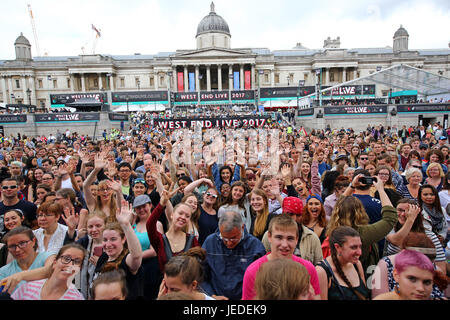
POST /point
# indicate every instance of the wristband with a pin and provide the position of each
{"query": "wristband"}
(351, 186)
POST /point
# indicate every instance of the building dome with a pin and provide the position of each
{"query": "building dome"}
(213, 23)
(22, 40)
(401, 32)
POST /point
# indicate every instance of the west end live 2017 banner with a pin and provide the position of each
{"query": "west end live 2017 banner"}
(208, 123)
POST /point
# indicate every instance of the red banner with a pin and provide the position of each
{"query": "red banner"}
(180, 81)
(247, 78)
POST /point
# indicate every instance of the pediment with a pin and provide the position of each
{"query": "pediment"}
(211, 52)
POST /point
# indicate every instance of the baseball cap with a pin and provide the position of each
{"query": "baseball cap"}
(442, 138)
(341, 156)
(141, 200)
(292, 205)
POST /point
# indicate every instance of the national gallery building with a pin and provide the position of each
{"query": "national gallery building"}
(213, 73)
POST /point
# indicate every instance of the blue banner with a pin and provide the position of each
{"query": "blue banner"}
(191, 81)
(236, 80)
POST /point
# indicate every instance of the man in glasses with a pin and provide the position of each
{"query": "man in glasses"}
(363, 160)
(231, 249)
(10, 200)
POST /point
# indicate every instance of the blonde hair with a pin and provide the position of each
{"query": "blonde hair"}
(281, 279)
(348, 211)
(437, 165)
(112, 203)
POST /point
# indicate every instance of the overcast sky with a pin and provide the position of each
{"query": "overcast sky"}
(152, 26)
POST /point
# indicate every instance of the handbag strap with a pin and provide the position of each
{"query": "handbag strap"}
(334, 279)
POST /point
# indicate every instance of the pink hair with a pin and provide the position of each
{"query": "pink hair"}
(412, 258)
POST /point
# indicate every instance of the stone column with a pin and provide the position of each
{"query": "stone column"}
(174, 86)
(197, 80)
(100, 81)
(344, 75)
(230, 79)
(208, 77)
(156, 80)
(241, 77)
(5, 95)
(219, 77)
(10, 88)
(72, 83)
(354, 73)
(83, 84)
(111, 82)
(32, 86)
(272, 78)
(186, 80)
(24, 90)
(253, 77)
(327, 75)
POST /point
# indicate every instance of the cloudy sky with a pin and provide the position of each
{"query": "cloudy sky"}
(152, 26)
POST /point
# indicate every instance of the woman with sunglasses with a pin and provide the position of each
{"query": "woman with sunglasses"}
(21, 244)
(58, 286)
(208, 221)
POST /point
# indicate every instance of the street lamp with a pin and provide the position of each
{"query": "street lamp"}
(318, 87)
(301, 83)
(127, 98)
(139, 84)
(288, 79)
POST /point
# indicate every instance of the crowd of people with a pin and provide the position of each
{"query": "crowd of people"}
(345, 216)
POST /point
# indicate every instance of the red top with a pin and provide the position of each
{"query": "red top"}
(156, 238)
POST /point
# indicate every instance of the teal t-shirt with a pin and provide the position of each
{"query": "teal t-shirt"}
(13, 267)
(143, 238)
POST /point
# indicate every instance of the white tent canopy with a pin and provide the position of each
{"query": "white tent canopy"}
(280, 103)
(140, 107)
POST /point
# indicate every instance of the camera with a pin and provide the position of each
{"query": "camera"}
(367, 180)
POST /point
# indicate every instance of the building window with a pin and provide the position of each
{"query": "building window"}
(122, 82)
(68, 83)
(291, 77)
(55, 84)
(17, 84)
(161, 81)
(277, 78)
(152, 82)
(40, 83)
(331, 76)
(137, 82)
(266, 77)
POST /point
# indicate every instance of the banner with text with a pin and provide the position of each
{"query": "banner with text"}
(207, 123)
(355, 110)
(139, 97)
(422, 108)
(60, 100)
(67, 117)
(9, 118)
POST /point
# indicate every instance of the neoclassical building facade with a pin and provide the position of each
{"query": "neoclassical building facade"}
(214, 66)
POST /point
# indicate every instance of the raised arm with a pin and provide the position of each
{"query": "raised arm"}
(191, 187)
(99, 164)
(124, 216)
(411, 215)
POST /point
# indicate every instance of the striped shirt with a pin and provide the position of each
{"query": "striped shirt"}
(32, 291)
(440, 255)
